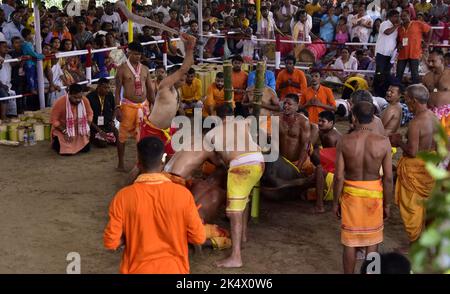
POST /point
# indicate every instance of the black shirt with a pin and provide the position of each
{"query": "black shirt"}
(107, 113)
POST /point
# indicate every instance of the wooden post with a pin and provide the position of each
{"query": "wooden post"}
(257, 97)
(130, 23)
(258, 10)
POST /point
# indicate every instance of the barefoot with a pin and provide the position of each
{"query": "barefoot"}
(318, 210)
(229, 262)
(120, 168)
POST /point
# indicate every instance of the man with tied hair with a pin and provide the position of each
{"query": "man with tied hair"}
(414, 183)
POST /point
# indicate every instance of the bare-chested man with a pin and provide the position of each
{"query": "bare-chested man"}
(293, 166)
(246, 166)
(295, 133)
(391, 117)
(325, 153)
(133, 78)
(414, 183)
(167, 100)
(361, 199)
(208, 194)
(437, 82)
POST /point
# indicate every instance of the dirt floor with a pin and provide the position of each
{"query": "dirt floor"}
(52, 205)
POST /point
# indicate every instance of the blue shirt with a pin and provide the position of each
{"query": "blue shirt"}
(28, 49)
(270, 79)
(327, 30)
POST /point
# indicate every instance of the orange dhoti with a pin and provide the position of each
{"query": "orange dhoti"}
(149, 130)
(132, 116)
(413, 187)
(362, 213)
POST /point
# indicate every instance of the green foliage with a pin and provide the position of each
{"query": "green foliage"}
(432, 252)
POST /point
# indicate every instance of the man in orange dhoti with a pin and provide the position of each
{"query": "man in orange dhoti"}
(134, 82)
(414, 184)
(166, 210)
(360, 197)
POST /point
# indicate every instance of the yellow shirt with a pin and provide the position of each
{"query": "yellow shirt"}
(311, 8)
(191, 92)
(424, 8)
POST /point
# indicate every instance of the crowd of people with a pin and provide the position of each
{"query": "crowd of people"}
(355, 170)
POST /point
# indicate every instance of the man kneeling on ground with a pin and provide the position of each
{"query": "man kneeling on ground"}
(71, 116)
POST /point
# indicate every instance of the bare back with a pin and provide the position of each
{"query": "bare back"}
(237, 143)
(364, 152)
(330, 139)
(183, 163)
(268, 99)
(391, 118)
(165, 107)
(421, 131)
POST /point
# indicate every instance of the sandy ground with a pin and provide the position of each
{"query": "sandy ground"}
(52, 205)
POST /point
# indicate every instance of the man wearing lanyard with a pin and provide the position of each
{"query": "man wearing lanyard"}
(410, 36)
(103, 131)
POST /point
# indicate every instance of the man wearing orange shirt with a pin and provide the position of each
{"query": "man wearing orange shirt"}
(410, 36)
(317, 98)
(166, 210)
(71, 118)
(290, 80)
(215, 96)
(239, 80)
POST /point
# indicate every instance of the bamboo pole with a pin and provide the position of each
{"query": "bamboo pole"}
(228, 84)
(258, 10)
(257, 97)
(130, 23)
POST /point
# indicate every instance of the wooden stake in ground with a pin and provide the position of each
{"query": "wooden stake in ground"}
(257, 98)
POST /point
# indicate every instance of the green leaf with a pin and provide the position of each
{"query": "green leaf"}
(436, 172)
(418, 260)
(430, 157)
(430, 238)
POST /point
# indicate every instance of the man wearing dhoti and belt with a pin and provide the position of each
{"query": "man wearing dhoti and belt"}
(414, 183)
(361, 197)
(133, 95)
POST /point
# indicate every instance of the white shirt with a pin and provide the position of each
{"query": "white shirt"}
(137, 28)
(386, 43)
(165, 11)
(351, 64)
(308, 25)
(10, 30)
(113, 18)
(7, 10)
(5, 73)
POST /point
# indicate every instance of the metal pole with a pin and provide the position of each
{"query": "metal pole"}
(40, 67)
(200, 27)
